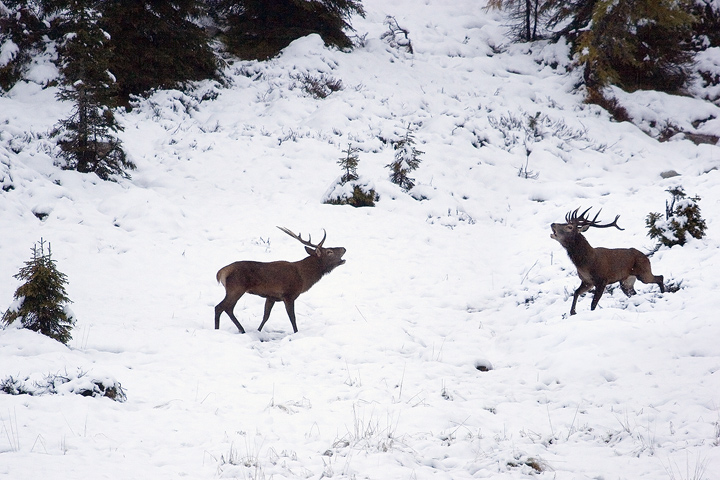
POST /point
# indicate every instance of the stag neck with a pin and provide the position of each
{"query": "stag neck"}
(579, 249)
(311, 271)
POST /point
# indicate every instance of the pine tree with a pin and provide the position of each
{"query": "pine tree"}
(407, 159)
(21, 33)
(637, 44)
(87, 138)
(259, 29)
(526, 17)
(156, 44)
(39, 302)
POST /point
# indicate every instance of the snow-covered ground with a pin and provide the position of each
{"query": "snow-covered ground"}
(442, 348)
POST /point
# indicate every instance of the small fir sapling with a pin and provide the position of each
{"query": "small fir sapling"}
(349, 189)
(41, 302)
(682, 218)
(349, 164)
(407, 159)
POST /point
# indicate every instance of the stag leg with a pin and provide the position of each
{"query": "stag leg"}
(643, 271)
(235, 321)
(290, 307)
(657, 279)
(599, 290)
(218, 312)
(221, 307)
(584, 287)
(627, 286)
(269, 302)
(227, 306)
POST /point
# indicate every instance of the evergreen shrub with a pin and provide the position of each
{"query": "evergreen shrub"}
(682, 218)
(41, 302)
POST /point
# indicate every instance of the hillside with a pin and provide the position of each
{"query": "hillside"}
(443, 348)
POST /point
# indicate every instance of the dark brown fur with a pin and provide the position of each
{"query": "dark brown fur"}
(275, 281)
(599, 267)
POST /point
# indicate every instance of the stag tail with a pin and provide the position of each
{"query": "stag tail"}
(222, 275)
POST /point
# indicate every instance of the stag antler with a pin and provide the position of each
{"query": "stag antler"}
(305, 242)
(583, 222)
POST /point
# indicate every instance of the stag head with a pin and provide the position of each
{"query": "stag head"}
(567, 233)
(330, 257)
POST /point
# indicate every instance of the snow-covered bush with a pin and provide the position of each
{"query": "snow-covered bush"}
(318, 86)
(707, 82)
(349, 188)
(397, 37)
(526, 129)
(682, 218)
(78, 383)
(6, 181)
(356, 193)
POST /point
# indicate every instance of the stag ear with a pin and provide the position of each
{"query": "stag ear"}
(312, 252)
(583, 228)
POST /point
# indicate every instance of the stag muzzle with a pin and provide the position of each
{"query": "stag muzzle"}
(342, 260)
(332, 257)
(554, 227)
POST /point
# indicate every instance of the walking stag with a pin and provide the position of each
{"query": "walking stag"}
(599, 267)
(276, 281)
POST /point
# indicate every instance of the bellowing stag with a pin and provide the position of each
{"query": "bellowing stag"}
(599, 267)
(276, 281)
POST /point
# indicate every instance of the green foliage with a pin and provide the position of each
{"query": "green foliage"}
(682, 218)
(259, 29)
(39, 302)
(407, 159)
(706, 28)
(156, 45)
(637, 44)
(86, 139)
(22, 31)
(706, 34)
(361, 196)
(634, 44)
(350, 190)
(569, 18)
(151, 44)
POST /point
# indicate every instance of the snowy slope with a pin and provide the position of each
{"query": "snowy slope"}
(385, 377)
